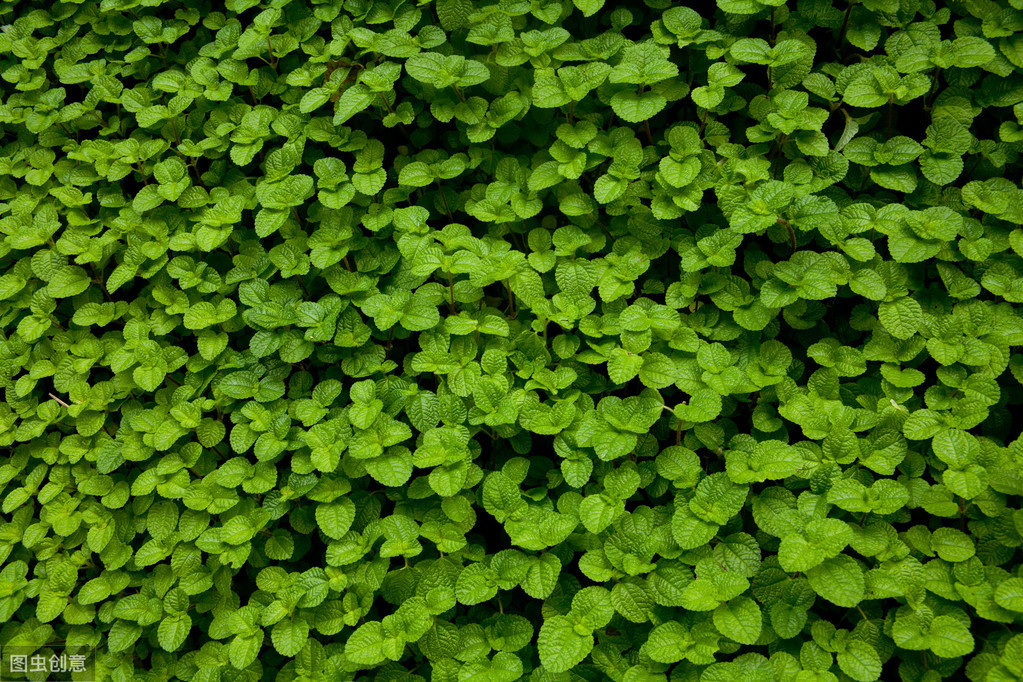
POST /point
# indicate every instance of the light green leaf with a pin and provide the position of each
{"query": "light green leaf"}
(739, 620)
(839, 580)
(561, 647)
(173, 630)
(902, 317)
(290, 635)
(860, 661)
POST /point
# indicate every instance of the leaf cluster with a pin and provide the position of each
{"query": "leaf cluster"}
(513, 339)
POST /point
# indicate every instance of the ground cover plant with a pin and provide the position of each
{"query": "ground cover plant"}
(527, 339)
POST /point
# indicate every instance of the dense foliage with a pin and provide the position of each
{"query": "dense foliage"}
(532, 339)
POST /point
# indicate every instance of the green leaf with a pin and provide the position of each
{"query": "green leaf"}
(668, 642)
(597, 513)
(902, 317)
(290, 635)
(623, 366)
(592, 607)
(739, 620)
(541, 576)
(588, 7)
(637, 107)
(952, 544)
(1009, 594)
(561, 647)
(335, 519)
(839, 580)
(950, 637)
(365, 646)
(351, 102)
(173, 631)
(244, 650)
(68, 281)
(476, 584)
(453, 14)
(415, 174)
(860, 661)
(643, 64)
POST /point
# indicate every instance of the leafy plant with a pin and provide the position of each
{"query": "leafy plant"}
(509, 340)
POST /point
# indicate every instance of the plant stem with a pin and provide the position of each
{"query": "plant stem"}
(59, 401)
(845, 25)
(451, 293)
(891, 101)
(792, 234)
(511, 298)
(774, 156)
(935, 88)
(444, 200)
